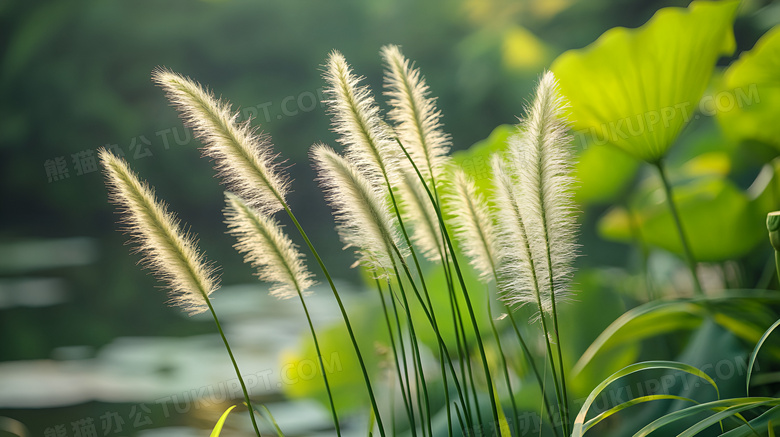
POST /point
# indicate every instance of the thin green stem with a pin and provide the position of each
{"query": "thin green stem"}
(344, 315)
(460, 338)
(504, 362)
(565, 413)
(416, 356)
(394, 301)
(678, 224)
(464, 289)
(439, 338)
(235, 366)
(322, 366)
(421, 275)
(539, 378)
(409, 413)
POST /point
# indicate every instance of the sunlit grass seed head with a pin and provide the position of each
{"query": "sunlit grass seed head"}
(473, 226)
(417, 121)
(363, 217)
(170, 253)
(267, 248)
(518, 282)
(242, 157)
(540, 162)
(355, 118)
(417, 210)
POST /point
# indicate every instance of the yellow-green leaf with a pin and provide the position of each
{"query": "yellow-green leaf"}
(719, 219)
(602, 173)
(221, 422)
(748, 104)
(637, 88)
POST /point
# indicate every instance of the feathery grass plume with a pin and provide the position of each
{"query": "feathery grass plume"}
(518, 283)
(543, 161)
(267, 248)
(170, 253)
(417, 121)
(243, 157)
(472, 225)
(355, 118)
(417, 210)
(363, 217)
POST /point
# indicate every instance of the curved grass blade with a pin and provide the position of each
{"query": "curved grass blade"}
(759, 422)
(636, 401)
(579, 423)
(714, 405)
(754, 354)
(221, 422)
(271, 420)
(658, 317)
(718, 417)
(646, 320)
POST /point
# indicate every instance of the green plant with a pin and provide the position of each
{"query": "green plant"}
(409, 209)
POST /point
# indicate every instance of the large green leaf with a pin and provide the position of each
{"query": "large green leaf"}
(637, 88)
(709, 204)
(716, 216)
(749, 101)
(720, 220)
(602, 174)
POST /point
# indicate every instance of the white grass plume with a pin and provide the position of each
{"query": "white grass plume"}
(417, 121)
(242, 157)
(267, 248)
(169, 252)
(417, 210)
(542, 160)
(472, 225)
(518, 281)
(363, 219)
(356, 120)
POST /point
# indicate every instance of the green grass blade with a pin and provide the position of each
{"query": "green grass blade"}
(646, 320)
(714, 405)
(759, 422)
(719, 416)
(579, 424)
(754, 354)
(636, 401)
(271, 420)
(221, 422)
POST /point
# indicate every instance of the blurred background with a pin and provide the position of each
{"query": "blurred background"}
(87, 345)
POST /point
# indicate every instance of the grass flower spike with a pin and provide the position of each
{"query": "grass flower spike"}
(243, 157)
(472, 225)
(169, 252)
(355, 118)
(541, 160)
(267, 248)
(363, 217)
(519, 284)
(417, 121)
(537, 216)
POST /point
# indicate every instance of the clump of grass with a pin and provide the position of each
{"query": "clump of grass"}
(387, 181)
